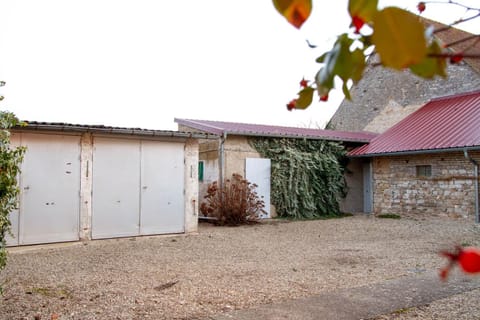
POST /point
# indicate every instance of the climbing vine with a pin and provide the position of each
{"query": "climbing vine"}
(307, 177)
(10, 160)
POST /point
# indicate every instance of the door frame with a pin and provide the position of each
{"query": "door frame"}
(367, 170)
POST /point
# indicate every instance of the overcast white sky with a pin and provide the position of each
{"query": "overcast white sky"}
(140, 63)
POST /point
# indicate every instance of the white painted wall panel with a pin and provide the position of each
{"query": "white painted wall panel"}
(162, 198)
(257, 170)
(116, 183)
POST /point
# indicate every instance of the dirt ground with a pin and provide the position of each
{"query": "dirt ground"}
(224, 268)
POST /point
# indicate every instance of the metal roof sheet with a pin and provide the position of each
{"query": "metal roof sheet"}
(443, 124)
(68, 127)
(220, 127)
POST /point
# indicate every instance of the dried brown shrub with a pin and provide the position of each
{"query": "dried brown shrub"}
(236, 203)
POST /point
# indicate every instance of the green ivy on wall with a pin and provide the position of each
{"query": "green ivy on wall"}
(307, 177)
(10, 160)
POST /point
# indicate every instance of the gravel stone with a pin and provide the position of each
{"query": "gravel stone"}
(228, 268)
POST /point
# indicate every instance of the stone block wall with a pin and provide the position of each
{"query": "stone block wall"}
(237, 149)
(449, 191)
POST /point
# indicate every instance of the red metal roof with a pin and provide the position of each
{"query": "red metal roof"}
(220, 127)
(442, 124)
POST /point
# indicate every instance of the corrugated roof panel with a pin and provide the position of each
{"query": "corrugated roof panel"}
(220, 127)
(443, 123)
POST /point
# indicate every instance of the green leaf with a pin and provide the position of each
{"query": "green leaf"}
(346, 92)
(398, 47)
(350, 65)
(321, 59)
(341, 62)
(363, 9)
(295, 11)
(305, 98)
(431, 66)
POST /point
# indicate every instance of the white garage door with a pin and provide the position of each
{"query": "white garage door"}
(116, 181)
(50, 188)
(137, 188)
(162, 207)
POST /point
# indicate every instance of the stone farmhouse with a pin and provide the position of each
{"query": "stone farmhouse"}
(430, 178)
(426, 163)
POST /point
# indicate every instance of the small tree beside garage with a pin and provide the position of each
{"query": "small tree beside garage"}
(10, 160)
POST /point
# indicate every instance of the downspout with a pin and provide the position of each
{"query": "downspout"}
(475, 164)
(221, 160)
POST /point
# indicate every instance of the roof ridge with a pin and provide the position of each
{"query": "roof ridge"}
(455, 95)
(203, 123)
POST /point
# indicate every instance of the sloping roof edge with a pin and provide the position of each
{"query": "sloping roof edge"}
(196, 124)
(80, 128)
(320, 134)
(415, 122)
(414, 152)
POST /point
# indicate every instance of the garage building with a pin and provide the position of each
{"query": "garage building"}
(81, 182)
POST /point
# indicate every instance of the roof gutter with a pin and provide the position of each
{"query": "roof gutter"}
(291, 136)
(113, 130)
(221, 164)
(413, 152)
(475, 168)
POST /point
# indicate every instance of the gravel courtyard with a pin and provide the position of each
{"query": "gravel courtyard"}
(225, 268)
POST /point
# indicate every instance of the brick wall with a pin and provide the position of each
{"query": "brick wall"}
(449, 191)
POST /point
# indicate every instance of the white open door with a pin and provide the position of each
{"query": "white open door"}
(257, 170)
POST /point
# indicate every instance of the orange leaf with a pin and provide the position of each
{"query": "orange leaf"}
(363, 10)
(295, 11)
